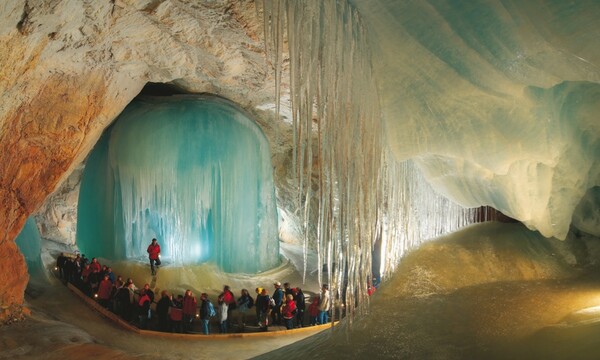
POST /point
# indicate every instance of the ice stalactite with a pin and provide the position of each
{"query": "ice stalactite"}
(411, 212)
(363, 198)
(334, 101)
(193, 172)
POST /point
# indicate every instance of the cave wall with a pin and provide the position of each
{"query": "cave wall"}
(69, 68)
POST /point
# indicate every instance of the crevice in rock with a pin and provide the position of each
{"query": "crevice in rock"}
(22, 25)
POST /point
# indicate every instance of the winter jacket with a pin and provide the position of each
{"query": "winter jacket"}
(288, 309)
(105, 289)
(153, 251)
(189, 305)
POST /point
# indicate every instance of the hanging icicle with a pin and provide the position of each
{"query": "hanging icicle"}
(364, 199)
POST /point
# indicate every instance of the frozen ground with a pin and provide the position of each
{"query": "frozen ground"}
(62, 327)
(491, 291)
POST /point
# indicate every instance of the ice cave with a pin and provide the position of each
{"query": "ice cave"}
(192, 172)
(447, 151)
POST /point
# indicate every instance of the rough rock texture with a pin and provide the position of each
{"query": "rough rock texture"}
(57, 217)
(68, 68)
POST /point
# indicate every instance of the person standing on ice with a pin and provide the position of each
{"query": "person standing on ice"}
(154, 255)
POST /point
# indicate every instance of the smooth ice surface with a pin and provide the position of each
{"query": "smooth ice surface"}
(193, 172)
(490, 291)
(29, 242)
(496, 101)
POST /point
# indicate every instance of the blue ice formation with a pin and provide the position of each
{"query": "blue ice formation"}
(29, 242)
(193, 172)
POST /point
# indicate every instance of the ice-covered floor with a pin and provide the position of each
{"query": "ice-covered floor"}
(62, 327)
(491, 291)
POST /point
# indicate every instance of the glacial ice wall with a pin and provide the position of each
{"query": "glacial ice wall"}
(193, 172)
(497, 102)
(29, 243)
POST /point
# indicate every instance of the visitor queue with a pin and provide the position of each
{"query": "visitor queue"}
(181, 313)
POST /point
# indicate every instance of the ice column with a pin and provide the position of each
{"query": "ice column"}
(195, 173)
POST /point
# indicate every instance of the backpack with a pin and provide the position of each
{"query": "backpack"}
(211, 310)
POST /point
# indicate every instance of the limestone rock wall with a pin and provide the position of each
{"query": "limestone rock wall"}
(68, 68)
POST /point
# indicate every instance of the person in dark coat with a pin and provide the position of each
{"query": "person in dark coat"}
(162, 310)
(143, 309)
(207, 310)
(61, 262)
(263, 307)
(278, 297)
(300, 305)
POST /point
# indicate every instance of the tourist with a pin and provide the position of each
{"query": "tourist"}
(207, 310)
(229, 299)
(83, 281)
(105, 291)
(263, 302)
(61, 262)
(111, 275)
(288, 311)
(162, 310)
(313, 311)
(176, 314)
(223, 309)
(189, 310)
(143, 309)
(149, 292)
(94, 280)
(278, 298)
(119, 282)
(300, 305)
(122, 302)
(287, 290)
(258, 291)
(154, 255)
(95, 265)
(244, 303)
(324, 305)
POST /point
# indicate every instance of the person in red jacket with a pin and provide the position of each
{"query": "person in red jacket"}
(95, 265)
(189, 310)
(313, 310)
(105, 291)
(154, 255)
(288, 311)
(229, 299)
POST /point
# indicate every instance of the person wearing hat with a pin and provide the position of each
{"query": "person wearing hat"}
(278, 299)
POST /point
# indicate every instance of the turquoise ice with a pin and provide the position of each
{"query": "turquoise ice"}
(193, 172)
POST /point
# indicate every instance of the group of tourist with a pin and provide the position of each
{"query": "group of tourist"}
(286, 306)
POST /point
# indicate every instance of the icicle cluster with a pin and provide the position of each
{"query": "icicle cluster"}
(411, 212)
(366, 203)
(334, 101)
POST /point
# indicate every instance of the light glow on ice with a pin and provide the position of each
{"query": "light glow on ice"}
(193, 172)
